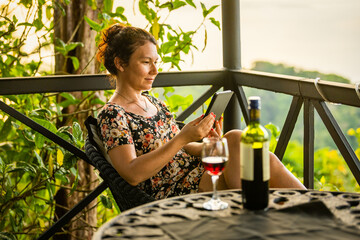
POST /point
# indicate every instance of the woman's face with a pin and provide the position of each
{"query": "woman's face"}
(141, 71)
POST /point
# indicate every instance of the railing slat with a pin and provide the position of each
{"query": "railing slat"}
(339, 138)
(308, 144)
(288, 127)
(241, 97)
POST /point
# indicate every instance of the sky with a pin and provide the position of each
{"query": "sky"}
(322, 35)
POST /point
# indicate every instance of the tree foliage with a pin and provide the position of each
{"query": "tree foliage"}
(33, 168)
(281, 68)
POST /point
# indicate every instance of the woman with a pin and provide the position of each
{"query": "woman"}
(141, 136)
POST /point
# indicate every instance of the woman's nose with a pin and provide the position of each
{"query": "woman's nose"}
(154, 69)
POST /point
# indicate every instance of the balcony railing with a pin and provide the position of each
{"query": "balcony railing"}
(303, 92)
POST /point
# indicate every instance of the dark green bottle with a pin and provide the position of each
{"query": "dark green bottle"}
(254, 159)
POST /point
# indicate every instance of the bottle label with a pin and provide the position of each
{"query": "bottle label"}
(247, 161)
(266, 161)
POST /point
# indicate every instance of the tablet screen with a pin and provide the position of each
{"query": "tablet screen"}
(218, 103)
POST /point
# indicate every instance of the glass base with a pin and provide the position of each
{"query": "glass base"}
(215, 204)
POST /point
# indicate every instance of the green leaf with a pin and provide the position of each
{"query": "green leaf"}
(69, 160)
(60, 46)
(108, 5)
(75, 62)
(38, 24)
(146, 11)
(168, 5)
(46, 124)
(72, 45)
(94, 25)
(28, 168)
(120, 10)
(106, 201)
(205, 39)
(62, 177)
(123, 18)
(212, 9)
(68, 96)
(39, 159)
(96, 101)
(168, 90)
(178, 4)
(48, 12)
(70, 100)
(168, 47)
(77, 132)
(6, 129)
(186, 49)
(39, 140)
(66, 136)
(204, 10)
(191, 3)
(176, 101)
(216, 23)
(41, 112)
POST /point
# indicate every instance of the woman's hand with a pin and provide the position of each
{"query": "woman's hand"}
(217, 132)
(198, 128)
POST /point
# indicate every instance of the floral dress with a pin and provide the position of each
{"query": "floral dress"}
(179, 176)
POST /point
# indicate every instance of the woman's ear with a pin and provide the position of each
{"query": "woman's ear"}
(118, 64)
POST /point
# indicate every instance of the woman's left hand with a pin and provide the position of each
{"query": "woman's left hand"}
(217, 132)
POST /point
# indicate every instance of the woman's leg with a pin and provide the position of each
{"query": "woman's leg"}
(280, 176)
(231, 176)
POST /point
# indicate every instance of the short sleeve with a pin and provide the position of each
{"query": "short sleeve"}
(114, 128)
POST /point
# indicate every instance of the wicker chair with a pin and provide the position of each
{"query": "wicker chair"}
(125, 195)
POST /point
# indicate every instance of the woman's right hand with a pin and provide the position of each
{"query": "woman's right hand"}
(198, 128)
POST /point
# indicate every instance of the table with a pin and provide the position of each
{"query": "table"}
(146, 221)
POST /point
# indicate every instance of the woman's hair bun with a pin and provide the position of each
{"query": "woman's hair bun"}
(106, 36)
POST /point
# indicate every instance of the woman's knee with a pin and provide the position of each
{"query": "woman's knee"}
(233, 136)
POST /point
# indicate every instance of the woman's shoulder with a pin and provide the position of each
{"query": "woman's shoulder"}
(111, 110)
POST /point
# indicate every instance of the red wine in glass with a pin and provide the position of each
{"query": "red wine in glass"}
(214, 157)
(214, 165)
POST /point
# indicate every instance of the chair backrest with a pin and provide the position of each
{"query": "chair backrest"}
(125, 195)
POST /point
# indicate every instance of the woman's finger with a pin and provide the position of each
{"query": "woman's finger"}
(196, 120)
(221, 122)
(213, 133)
(218, 128)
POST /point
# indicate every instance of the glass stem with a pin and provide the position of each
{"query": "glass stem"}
(214, 179)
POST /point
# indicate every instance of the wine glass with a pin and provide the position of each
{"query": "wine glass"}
(214, 157)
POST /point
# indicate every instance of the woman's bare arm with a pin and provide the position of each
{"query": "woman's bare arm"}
(137, 169)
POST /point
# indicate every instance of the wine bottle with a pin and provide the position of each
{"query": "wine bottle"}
(255, 160)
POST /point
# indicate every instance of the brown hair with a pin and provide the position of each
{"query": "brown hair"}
(121, 41)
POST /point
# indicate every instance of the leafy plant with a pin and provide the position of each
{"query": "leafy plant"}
(33, 168)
